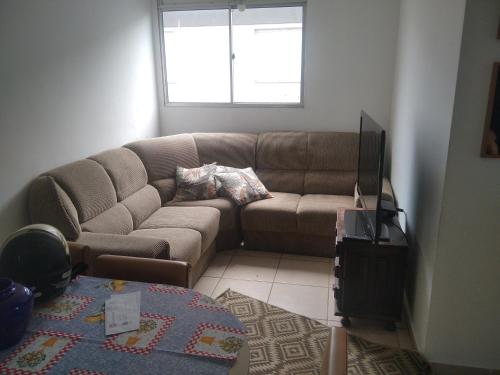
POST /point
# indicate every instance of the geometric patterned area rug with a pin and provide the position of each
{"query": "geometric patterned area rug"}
(279, 342)
(367, 358)
(284, 343)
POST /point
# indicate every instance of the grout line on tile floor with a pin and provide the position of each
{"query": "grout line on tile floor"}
(216, 285)
(277, 267)
(307, 260)
(274, 278)
(314, 286)
(269, 296)
(257, 281)
(231, 257)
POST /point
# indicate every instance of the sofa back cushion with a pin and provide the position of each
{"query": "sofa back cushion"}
(282, 150)
(130, 179)
(88, 186)
(162, 155)
(308, 163)
(282, 160)
(49, 204)
(332, 163)
(142, 204)
(228, 149)
(125, 170)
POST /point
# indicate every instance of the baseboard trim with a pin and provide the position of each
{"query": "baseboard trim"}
(409, 322)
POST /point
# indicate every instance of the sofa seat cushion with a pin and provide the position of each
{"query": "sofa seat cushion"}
(202, 219)
(317, 213)
(118, 244)
(185, 244)
(278, 214)
(228, 210)
(116, 220)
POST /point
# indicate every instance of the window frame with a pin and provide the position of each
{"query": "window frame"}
(230, 7)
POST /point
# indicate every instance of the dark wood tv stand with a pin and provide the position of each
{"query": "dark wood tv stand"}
(369, 277)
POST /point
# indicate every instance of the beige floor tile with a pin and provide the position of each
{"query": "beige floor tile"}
(218, 265)
(258, 253)
(303, 273)
(373, 330)
(331, 275)
(306, 258)
(206, 285)
(310, 301)
(334, 323)
(251, 268)
(405, 339)
(331, 306)
(256, 289)
(322, 321)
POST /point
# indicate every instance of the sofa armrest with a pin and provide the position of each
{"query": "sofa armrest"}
(387, 193)
(159, 271)
(117, 244)
(77, 252)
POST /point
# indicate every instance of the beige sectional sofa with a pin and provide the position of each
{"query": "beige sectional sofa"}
(119, 202)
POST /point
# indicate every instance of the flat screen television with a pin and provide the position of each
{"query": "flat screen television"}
(367, 224)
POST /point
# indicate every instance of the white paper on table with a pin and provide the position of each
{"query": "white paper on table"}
(123, 312)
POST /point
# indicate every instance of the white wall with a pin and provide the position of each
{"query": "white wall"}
(349, 66)
(76, 78)
(424, 91)
(464, 321)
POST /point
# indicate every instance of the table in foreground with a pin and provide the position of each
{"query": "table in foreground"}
(181, 332)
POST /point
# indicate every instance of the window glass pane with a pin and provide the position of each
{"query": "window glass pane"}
(197, 55)
(267, 61)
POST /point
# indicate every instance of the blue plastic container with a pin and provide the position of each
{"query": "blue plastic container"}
(16, 306)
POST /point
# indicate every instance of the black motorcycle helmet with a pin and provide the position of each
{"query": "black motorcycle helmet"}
(37, 256)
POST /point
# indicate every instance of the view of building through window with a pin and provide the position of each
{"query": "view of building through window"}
(227, 55)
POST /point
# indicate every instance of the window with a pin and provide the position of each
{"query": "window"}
(226, 55)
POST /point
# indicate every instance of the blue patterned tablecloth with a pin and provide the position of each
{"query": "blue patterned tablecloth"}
(181, 332)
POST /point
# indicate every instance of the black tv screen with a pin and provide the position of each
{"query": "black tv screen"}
(371, 170)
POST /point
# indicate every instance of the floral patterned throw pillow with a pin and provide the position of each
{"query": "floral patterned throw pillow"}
(195, 183)
(242, 186)
(223, 169)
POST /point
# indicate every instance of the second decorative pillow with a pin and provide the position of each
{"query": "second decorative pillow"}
(242, 186)
(195, 183)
